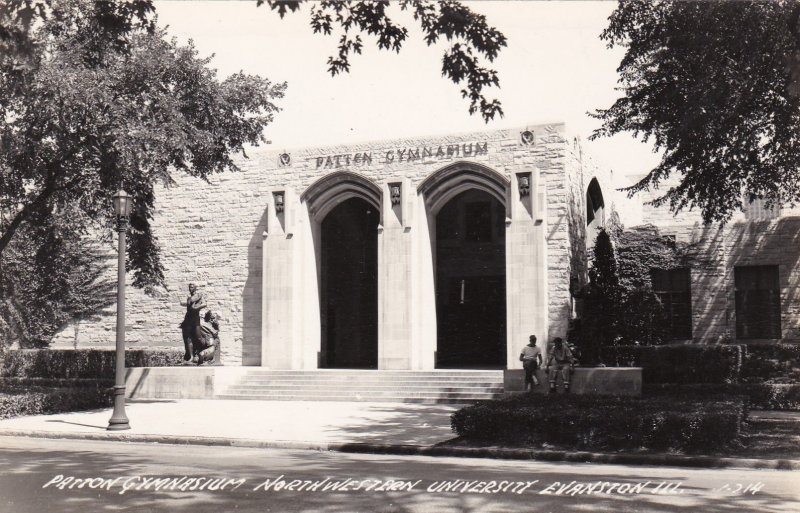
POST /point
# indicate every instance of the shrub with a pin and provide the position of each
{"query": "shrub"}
(685, 363)
(25, 384)
(771, 363)
(50, 274)
(81, 363)
(52, 400)
(764, 396)
(605, 422)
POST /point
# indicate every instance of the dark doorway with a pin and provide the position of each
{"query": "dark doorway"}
(349, 286)
(471, 282)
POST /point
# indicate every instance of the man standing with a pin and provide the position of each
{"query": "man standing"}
(531, 358)
(191, 321)
(562, 356)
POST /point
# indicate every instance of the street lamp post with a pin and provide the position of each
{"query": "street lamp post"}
(122, 209)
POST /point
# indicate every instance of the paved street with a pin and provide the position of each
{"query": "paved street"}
(39, 475)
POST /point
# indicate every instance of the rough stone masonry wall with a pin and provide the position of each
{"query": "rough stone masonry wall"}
(717, 250)
(579, 171)
(211, 233)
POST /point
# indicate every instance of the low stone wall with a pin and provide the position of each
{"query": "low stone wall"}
(595, 380)
(189, 382)
(169, 383)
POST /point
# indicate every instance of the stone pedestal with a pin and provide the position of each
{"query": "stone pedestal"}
(594, 380)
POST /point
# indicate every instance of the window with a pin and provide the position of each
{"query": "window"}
(673, 289)
(758, 302)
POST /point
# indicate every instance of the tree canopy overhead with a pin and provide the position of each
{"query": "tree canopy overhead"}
(470, 36)
(88, 114)
(714, 85)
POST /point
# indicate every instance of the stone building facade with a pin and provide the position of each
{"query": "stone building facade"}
(419, 253)
(744, 276)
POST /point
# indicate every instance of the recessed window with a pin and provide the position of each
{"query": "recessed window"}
(674, 291)
(758, 302)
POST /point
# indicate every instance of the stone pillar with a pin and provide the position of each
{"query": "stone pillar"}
(281, 312)
(526, 265)
(394, 276)
(423, 286)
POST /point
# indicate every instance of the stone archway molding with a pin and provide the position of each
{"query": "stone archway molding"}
(329, 191)
(446, 183)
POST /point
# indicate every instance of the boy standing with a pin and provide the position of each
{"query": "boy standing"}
(531, 358)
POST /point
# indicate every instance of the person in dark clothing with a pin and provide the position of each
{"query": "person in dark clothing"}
(562, 361)
(190, 327)
(208, 348)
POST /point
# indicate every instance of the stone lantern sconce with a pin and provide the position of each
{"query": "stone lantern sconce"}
(280, 199)
(524, 185)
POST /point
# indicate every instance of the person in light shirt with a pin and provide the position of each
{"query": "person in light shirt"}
(531, 358)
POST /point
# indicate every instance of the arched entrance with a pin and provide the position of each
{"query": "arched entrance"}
(466, 205)
(471, 282)
(349, 285)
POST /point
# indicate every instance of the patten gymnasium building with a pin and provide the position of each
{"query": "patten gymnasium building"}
(426, 254)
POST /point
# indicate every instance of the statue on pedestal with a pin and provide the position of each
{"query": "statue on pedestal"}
(190, 327)
(207, 350)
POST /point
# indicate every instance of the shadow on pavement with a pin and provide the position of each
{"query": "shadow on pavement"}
(24, 472)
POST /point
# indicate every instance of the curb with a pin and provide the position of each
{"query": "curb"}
(418, 450)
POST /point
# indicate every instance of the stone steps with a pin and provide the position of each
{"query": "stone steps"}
(427, 387)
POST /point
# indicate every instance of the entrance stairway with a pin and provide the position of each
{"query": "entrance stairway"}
(426, 387)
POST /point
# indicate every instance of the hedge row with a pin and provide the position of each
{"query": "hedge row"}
(52, 400)
(81, 363)
(762, 396)
(23, 384)
(771, 363)
(687, 363)
(605, 422)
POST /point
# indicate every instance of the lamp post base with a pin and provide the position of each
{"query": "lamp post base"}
(118, 425)
(119, 421)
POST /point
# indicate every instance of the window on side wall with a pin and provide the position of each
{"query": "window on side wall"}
(758, 302)
(674, 290)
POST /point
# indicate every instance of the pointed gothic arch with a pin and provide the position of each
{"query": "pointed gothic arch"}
(329, 191)
(450, 181)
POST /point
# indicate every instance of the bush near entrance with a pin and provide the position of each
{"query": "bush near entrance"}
(767, 374)
(605, 422)
(34, 382)
(762, 396)
(683, 363)
(38, 400)
(771, 363)
(80, 363)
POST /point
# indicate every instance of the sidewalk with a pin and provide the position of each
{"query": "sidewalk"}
(388, 428)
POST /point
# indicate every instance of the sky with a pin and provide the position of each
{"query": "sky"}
(555, 68)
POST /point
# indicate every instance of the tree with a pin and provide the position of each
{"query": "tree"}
(642, 318)
(472, 38)
(50, 274)
(601, 298)
(619, 303)
(468, 31)
(90, 117)
(111, 24)
(714, 85)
